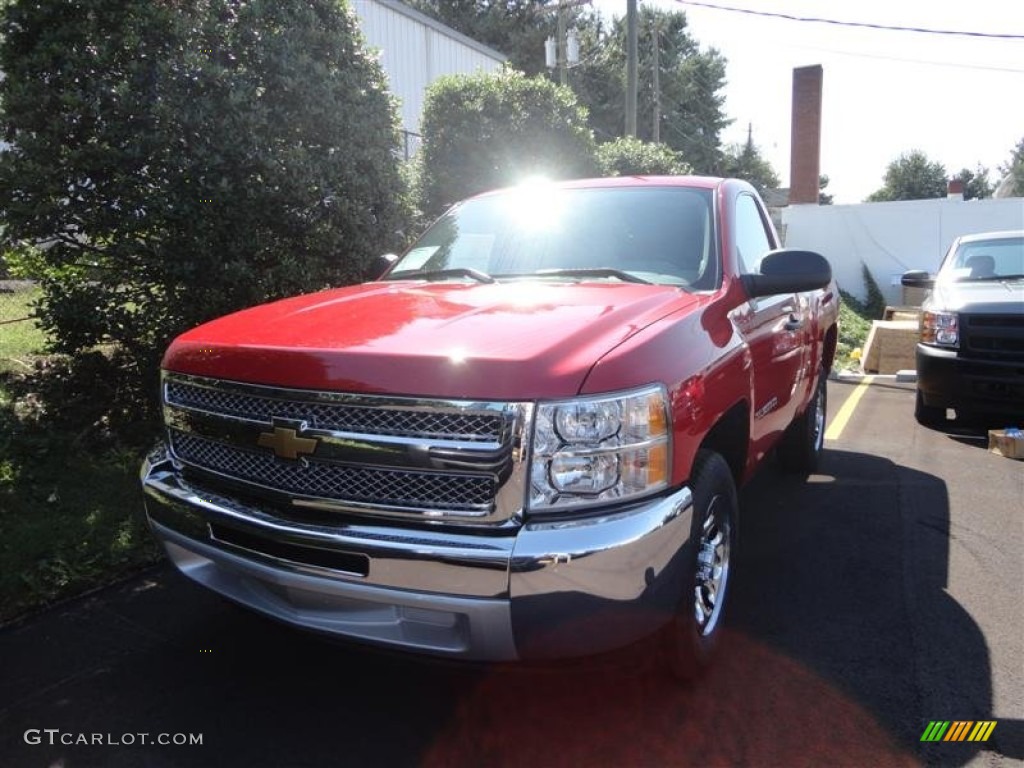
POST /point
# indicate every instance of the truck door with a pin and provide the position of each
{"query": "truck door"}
(774, 329)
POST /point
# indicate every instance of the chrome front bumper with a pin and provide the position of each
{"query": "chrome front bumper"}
(530, 590)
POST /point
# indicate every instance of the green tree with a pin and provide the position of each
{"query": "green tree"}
(1015, 169)
(695, 111)
(746, 162)
(692, 114)
(484, 131)
(629, 157)
(976, 183)
(692, 81)
(178, 159)
(517, 28)
(599, 80)
(911, 176)
(823, 198)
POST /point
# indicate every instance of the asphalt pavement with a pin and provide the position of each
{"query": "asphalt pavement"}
(870, 599)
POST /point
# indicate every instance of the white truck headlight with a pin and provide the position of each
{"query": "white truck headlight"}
(592, 450)
(940, 328)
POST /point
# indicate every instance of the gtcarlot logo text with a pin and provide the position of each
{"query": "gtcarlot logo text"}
(54, 736)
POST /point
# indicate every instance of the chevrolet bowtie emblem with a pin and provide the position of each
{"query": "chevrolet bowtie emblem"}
(286, 443)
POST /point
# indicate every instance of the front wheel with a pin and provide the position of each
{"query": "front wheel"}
(692, 636)
(800, 448)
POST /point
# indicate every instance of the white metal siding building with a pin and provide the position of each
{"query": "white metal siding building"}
(415, 50)
(891, 238)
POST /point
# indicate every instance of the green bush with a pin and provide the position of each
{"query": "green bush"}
(492, 130)
(854, 326)
(874, 306)
(629, 156)
(178, 159)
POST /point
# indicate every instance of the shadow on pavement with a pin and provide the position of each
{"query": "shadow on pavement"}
(860, 553)
(974, 433)
(841, 646)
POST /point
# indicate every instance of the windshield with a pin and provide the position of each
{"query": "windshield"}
(659, 235)
(996, 259)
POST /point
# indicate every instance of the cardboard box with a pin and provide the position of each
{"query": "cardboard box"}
(890, 346)
(1002, 444)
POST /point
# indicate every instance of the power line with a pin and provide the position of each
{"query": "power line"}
(859, 24)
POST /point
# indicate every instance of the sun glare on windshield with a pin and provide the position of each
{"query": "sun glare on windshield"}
(535, 204)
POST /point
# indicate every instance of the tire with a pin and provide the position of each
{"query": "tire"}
(801, 447)
(928, 415)
(693, 634)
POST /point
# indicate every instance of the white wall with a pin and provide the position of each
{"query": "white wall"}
(892, 237)
(415, 50)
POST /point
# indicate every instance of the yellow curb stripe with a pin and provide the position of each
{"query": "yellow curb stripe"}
(988, 731)
(835, 429)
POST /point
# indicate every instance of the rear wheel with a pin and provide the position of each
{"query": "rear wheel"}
(928, 415)
(692, 635)
(801, 446)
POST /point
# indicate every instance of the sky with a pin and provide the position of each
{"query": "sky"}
(958, 99)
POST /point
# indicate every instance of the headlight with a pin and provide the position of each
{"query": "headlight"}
(593, 450)
(940, 328)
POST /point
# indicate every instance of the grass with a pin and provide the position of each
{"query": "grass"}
(70, 502)
(71, 522)
(20, 337)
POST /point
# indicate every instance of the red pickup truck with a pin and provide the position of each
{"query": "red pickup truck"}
(522, 440)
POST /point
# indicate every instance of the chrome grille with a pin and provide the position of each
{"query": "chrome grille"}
(402, 422)
(369, 454)
(367, 485)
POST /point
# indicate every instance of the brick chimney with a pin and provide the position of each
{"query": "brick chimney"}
(955, 190)
(805, 141)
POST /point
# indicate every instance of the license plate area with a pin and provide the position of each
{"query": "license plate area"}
(349, 563)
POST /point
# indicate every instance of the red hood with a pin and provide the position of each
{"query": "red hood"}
(518, 340)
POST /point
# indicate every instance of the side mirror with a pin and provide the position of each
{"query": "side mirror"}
(917, 278)
(788, 270)
(379, 266)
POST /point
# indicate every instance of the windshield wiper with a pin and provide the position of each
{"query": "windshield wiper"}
(594, 272)
(441, 274)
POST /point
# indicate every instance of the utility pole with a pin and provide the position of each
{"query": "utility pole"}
(563, 50)
(563, 70)
(631, 67)
(656, 129)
